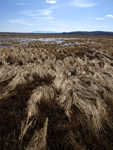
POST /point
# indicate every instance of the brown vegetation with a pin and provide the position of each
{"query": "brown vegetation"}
(55, 97)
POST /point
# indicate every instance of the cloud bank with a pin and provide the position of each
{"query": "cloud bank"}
(110, 16)
(51, 1)
(38, 14)
(81, 3)
(20, 21)
(97, 18)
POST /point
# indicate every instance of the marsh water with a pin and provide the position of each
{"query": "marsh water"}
(24, 41)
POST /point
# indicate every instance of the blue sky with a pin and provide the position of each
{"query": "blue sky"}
(56, 15)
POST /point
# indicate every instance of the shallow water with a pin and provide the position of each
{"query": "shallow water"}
(62, 41)
(51, 40)
(2, 45)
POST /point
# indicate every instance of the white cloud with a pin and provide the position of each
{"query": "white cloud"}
(81, 3)
(20, 21)
(51, 21)
(44, 18)
(51, 1)
(110, 16)
(25, 12)
(103, 26)
(43, 14)
(33, 13)
(45, 11)
(97, 18)
(21, 4)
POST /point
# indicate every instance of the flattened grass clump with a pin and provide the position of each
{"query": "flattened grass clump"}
(13, 111)
(10, 60)
(60, 56)
(47, 79)
(56, 123)
(4, 83)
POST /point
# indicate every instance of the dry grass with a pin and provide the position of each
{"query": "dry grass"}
(56, 97)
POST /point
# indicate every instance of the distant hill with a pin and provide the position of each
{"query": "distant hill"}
(51, 32)
(89, 33)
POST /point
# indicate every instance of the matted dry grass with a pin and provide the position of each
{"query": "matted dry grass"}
(55, 97)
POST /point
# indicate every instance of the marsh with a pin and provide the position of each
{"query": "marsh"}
(56, 95)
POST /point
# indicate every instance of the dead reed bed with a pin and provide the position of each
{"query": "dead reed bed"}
(55, 97)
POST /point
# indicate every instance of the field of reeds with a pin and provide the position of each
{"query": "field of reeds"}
(56, 94)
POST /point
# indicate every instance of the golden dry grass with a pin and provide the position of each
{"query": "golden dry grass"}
(55, 97)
